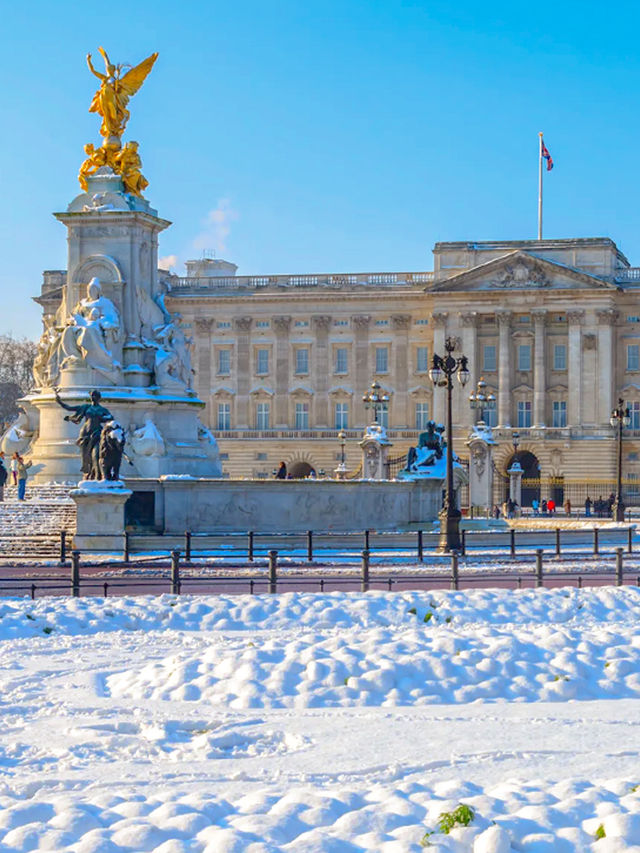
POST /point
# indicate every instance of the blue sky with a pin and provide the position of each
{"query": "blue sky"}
(318, 137)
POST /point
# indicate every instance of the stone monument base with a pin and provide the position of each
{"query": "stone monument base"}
(100, 514)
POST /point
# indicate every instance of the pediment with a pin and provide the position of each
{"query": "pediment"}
(261, 390)
(522, 388)
(521, 270)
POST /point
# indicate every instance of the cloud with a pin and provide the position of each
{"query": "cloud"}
(168, 262)
(216, 227)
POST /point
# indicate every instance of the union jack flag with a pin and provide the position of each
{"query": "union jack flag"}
(544, 151)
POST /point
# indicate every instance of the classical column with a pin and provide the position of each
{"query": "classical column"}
(362, 373)
(204, 352)
(439, 320)
(469, 320)
(399, 414)
(281, 415)
(243, 372)
(323, 417)
(606, 322)
(574, 372)
(539, 367)
(504, 369)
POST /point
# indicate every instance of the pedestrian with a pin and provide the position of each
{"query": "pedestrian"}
(567, 507)
(3, 476)
(545, 506)
(510, 508)
(535, 506)
(281, 473)
(22, 477)
(14, 468)
(587, 507)
(551, 506)
(496, 511)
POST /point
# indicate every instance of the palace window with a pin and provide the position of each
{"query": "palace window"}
(382, 359)
(302, 416)
(341, 365)
(524, 413)
(342, 415)
(559, 413)
(224, 361)
(301, 323)
(262, 324)
(382, 322)
(224, 415)
(223, 324)
(302, 360)
(422, 359)
(633, 357)
(423, 321)
(422, 415)
(491, 417)
(524, 357)
(489, 357)
(634, 411)
(559, 357)
(262, 361)
(383, 417)
(262, 416)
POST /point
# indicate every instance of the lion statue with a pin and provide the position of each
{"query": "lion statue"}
(112, 441)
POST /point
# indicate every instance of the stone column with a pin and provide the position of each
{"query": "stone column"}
(504, 369)
(243, 372)
(469, 322)
(362, 372)
(399, 414)
(574, 373)
(204, 350)
(606, 322)
(323, 416)
(281, 414)
(539, 367)
(439, 320)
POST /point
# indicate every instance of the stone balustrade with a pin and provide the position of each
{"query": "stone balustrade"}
(242, 282)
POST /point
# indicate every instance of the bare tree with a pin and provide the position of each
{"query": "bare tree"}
(16, 373)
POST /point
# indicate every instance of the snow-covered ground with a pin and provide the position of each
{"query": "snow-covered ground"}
(307, 722)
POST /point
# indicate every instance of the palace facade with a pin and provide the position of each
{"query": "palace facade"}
(553, 326)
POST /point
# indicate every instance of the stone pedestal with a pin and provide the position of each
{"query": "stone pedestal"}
(481, 446)
(375, 451)
(100, 515)
(515, 484)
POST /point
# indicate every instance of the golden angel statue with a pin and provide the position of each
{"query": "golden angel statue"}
(111, 99)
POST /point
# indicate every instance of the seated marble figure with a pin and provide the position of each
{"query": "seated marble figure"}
(430, 448)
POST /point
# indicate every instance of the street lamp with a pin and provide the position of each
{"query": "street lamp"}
(482, 402)
(515, 440)
(441, 373)
(620, 417)
(342, 468)
(375, 399)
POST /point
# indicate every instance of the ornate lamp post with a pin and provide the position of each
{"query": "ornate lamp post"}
(441, 373)
(375, 400)
(341, 469)
(620, 417)
(515, 440)
(482, 402)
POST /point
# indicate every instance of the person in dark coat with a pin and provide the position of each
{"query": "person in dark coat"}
(587, 506)
(281, 473)
(3, 476)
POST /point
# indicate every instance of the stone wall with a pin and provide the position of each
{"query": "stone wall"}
(210, 506)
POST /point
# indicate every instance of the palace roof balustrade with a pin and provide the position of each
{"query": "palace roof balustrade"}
(333, 280)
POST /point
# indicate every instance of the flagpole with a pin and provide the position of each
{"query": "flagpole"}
(540, 187)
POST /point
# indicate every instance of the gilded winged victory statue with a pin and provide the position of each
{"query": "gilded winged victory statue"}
(110, 102)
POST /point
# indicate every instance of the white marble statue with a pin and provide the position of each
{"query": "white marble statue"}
(19, 435)
(147, 440)
(92, 331)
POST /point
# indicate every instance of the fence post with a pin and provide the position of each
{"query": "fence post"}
(125, 548)
(463, 542)
(187, 546)
(455, 581)
(630, 546)
(310, 546)
(273, 571)
(539, 580)
(420, 547)
(595, 541)
(75, 573)
(250, 546)
(33, 591)
(366, 540)
(619, 578)
(365, 571)
(557, 541)
(512, 535)
(175, 572)
(106, 587)
(63, 547)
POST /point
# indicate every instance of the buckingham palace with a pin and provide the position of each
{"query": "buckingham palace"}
(552, 326)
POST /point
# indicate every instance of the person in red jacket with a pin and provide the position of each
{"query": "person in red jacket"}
(551, 506)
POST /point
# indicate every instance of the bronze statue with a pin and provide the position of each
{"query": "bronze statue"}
(110, 102)
(94, 416)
